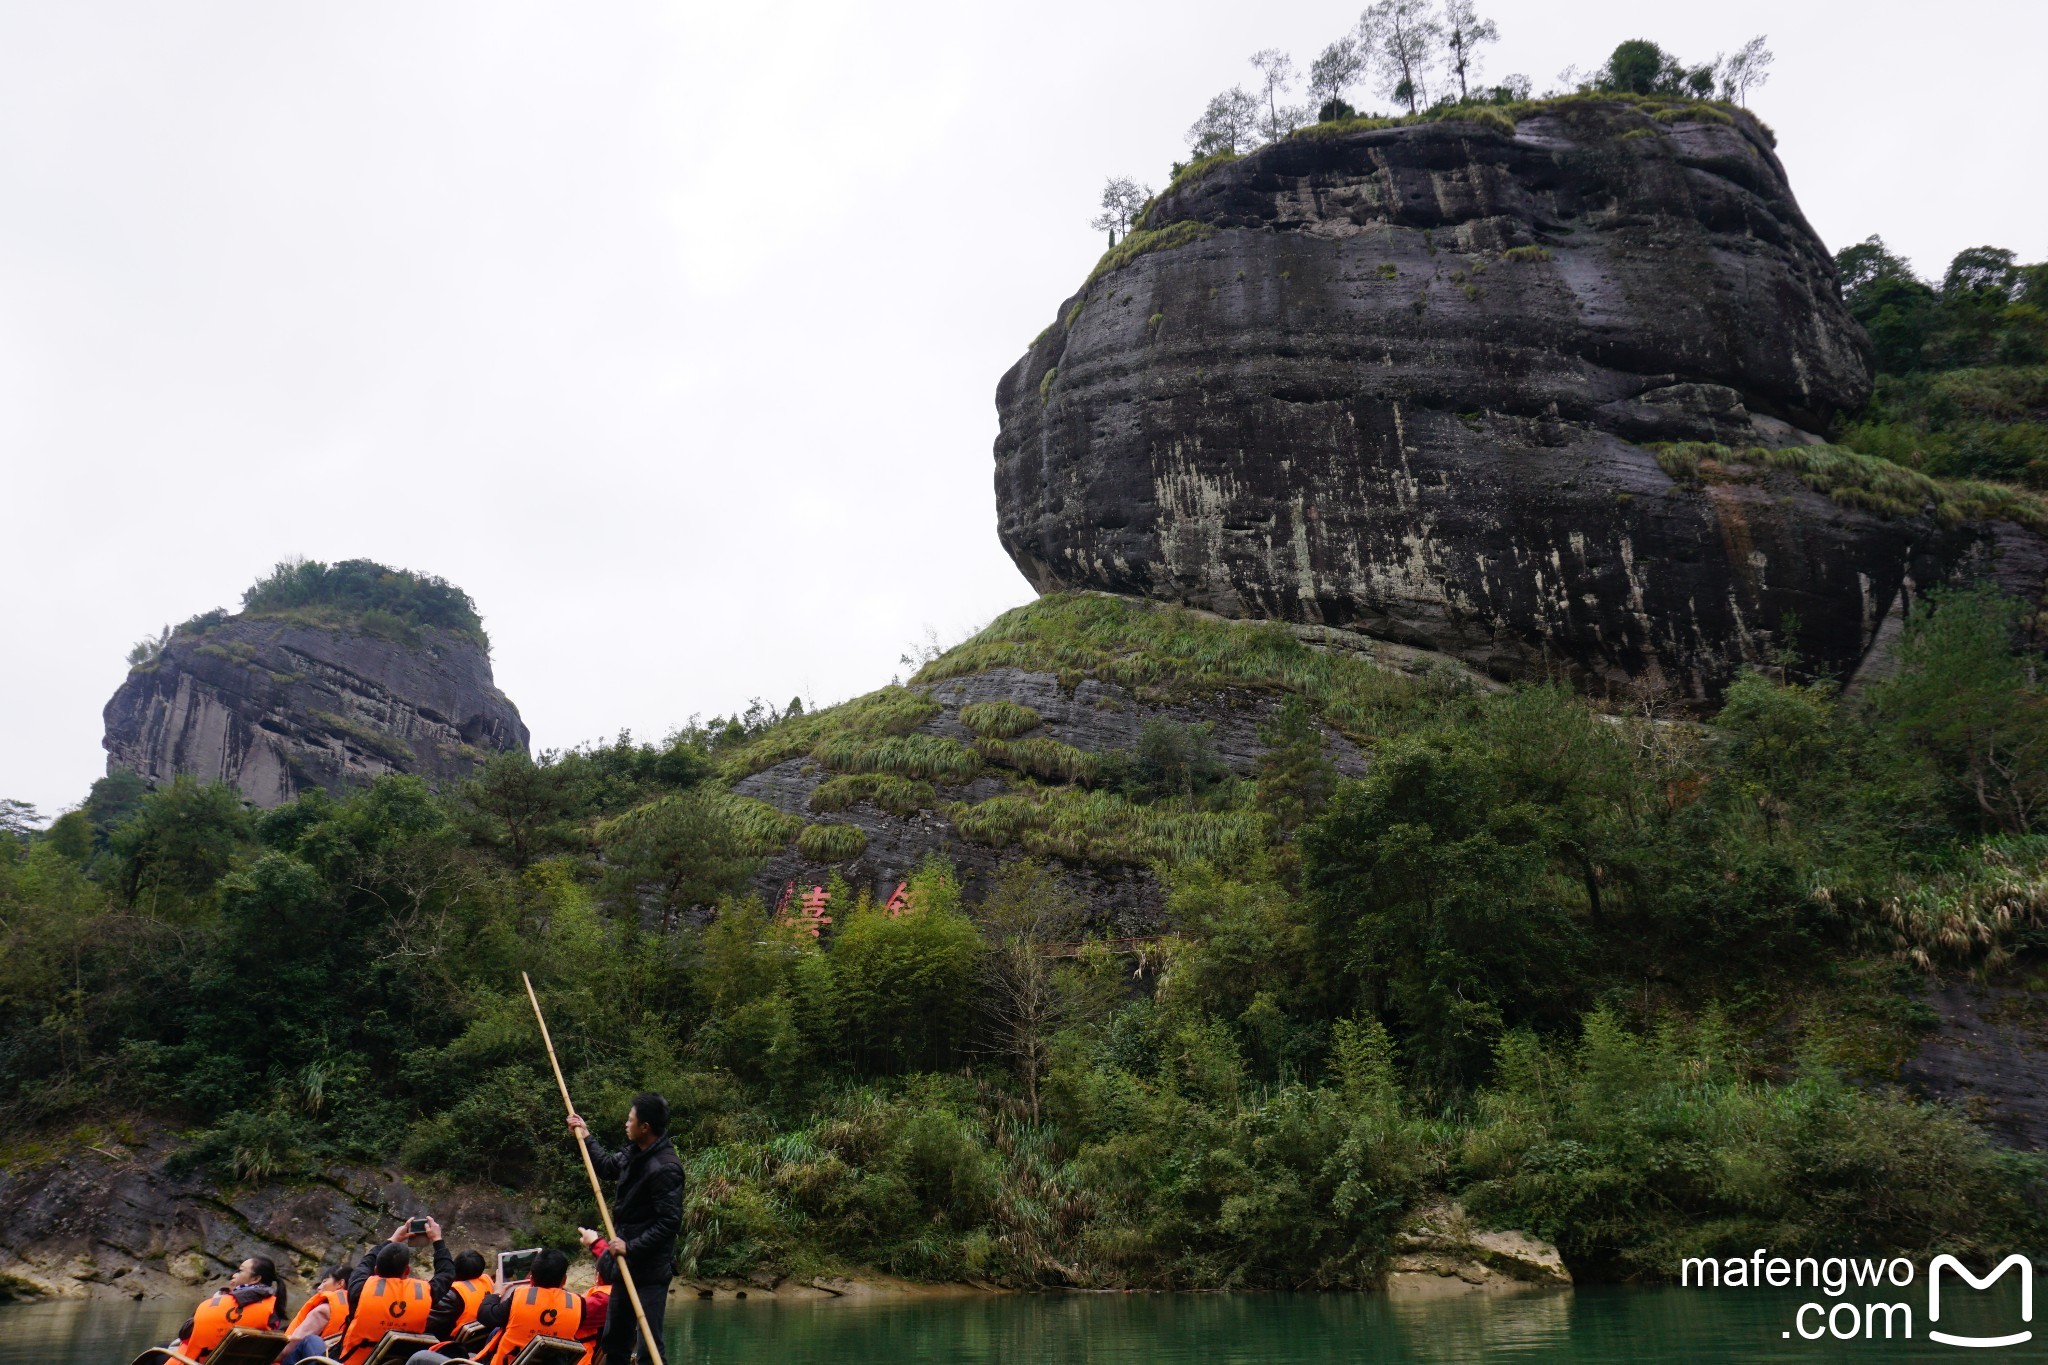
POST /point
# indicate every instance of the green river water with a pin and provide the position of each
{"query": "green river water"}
(1593, 1324)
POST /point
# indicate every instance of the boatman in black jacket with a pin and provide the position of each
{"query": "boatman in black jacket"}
(647, 1209)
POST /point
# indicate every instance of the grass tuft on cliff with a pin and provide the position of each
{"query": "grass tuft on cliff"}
(1167, 653)
(866, 720)
(1854, 479)
(1108, 828)
(1140, 241)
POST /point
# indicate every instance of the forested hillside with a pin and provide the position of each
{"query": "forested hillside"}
(1634, 984)
(1962, 388)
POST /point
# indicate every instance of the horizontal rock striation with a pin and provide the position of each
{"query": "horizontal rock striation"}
(273, 707)
(1399, 381)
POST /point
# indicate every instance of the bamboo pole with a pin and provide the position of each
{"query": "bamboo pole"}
(603, 1210)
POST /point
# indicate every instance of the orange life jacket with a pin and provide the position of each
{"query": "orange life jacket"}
(473, 1293)
(221, 1314)
(337, 1311)
(385, 1305)
(538, 1312)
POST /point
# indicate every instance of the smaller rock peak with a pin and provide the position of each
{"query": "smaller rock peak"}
(330, 676)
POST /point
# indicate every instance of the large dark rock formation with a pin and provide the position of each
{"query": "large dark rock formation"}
(1398, 381)
(274, 706)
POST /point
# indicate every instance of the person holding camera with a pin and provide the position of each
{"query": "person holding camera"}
(385, 1296)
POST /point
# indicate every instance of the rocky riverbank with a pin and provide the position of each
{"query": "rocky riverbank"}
(103, 1213)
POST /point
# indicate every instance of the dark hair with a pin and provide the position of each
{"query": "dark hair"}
(469, 1265)
(335, 1272)
(550, 1269)
(266, 1274)
(653, 1111)
(393, 1260)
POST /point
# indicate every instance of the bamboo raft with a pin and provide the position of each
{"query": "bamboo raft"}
(245, 1347)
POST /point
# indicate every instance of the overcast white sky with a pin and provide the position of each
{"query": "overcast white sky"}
(671, 331)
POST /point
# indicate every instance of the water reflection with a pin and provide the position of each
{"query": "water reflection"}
(85, 1332)
(1595, 1326)
(1467, 1327)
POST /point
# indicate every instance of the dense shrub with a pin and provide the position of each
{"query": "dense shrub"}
(1633, 1152)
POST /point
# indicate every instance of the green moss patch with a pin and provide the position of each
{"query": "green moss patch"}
(1144, 241)
(1858, 480)
(1168, 653)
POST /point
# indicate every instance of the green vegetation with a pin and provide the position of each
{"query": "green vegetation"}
(1854, 479)
(828, 842)
(930, 757)
(355, 594)
(1107, 828)
(1187, 173)
(1042, 758)
(1165, 654)
(1633, 984)
(1140, 241)
(1960, 411)
(1962, 387)
(742, 749)
(1632, 1152)
(897, 795)
(999, 719)
(357, 591)
(1486, 117)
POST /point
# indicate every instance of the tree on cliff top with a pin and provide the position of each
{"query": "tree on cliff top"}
(362, 586)
(1122, 200)
(1339, 67)
(1227, 124)
(1403, 36)
(1640, 67)
(1464, 34)
(1276, 74)
(1744, 70)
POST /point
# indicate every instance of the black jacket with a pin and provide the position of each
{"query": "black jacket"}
(447, 1308)
(444, 1274)
(648, 1207)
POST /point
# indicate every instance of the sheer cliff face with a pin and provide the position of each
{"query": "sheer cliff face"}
(273, 708)
(1397, 381)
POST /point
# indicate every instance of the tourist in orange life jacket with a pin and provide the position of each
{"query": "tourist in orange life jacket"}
(253, 1298)
(385, 1296)
(525, 1309)
(325, 1312)
(456, 1308)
